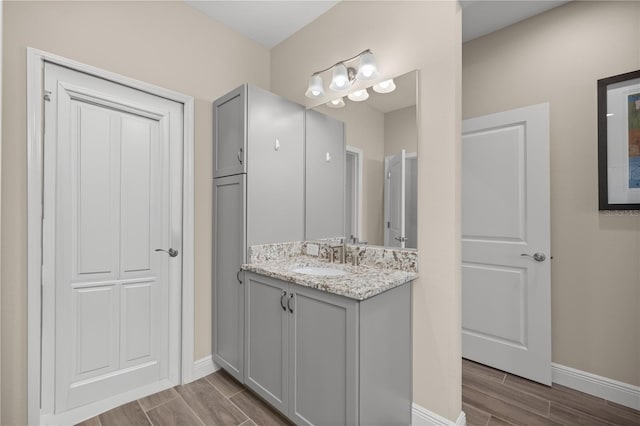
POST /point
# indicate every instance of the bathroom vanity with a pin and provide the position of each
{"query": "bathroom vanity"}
(331, 346)
(325, 343)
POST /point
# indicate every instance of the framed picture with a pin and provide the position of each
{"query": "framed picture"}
(619, 142)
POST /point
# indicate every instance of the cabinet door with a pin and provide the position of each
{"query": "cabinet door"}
(267, 339)
(275, 169)
(323, 358)
(229, 130)
(325, 157)
(228, 256)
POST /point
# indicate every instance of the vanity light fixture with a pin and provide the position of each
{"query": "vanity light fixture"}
(359, 95)
(344, 76)
(336, 103)
(386, 86)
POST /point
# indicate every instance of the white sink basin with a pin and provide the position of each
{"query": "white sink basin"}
(320, 271)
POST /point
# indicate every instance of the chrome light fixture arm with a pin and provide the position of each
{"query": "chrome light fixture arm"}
(342, 62)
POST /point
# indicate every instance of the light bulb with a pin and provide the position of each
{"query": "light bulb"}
(340, 79)
(336, 103)
(315, 89)
(386, 86)
(359, 95)
(367, 68)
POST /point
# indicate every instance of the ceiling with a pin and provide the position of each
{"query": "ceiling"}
(270, 22)
(482, 17)
(266, 22)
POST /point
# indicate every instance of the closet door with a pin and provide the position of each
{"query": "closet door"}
(228, 256)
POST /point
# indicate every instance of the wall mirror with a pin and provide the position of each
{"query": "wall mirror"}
(381, 135)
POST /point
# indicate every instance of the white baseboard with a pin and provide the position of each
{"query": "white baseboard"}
(420, 416)
(204, 367)
(609, 389)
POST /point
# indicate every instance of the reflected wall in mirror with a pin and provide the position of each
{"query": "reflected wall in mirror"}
(381, 165)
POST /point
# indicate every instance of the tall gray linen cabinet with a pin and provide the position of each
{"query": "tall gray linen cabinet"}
(258, 198)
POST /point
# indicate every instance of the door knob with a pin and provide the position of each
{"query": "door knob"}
(538, 257)
(171, 252)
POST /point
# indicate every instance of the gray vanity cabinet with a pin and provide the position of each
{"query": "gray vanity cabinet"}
(301, 350)
(267, 339)
(229, 251)
(324, 359)
(325, 158)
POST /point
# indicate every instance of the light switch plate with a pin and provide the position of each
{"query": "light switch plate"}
(313, 249)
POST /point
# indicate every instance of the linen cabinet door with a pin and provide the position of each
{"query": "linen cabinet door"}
(323, 358)
(228, 256)
(325, 158)
(230, 136)
(267, 339)
(275, 169)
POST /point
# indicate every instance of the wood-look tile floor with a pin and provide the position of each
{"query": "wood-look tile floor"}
(489, 397)
(493, 397)
(213, 400)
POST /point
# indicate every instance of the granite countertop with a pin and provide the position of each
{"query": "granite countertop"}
(360, 282)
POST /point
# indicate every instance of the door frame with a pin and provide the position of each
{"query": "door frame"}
(35, 169)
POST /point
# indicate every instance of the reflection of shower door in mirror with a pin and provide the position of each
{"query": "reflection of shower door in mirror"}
(353, 195)
(394, 197)
(400, 200)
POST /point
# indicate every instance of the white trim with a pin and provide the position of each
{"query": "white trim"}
(609, 389)
(203, 367)
(1, 17)
(420, 416)
(360, 156)
(85, 412)
(35, 73)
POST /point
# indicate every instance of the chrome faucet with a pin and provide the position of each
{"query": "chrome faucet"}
(332, 253)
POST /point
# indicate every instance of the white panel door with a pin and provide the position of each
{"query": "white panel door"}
(110, 201)
(506, 302)
(395, 171)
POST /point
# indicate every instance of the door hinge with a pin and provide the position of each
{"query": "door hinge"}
(388, 175)
(47, 95)
(388, 223)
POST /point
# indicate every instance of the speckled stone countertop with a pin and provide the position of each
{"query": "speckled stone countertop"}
(360, 282)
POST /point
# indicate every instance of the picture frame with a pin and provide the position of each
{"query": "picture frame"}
(619, 142)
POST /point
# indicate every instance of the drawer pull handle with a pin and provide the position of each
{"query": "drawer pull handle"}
(289, 303)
